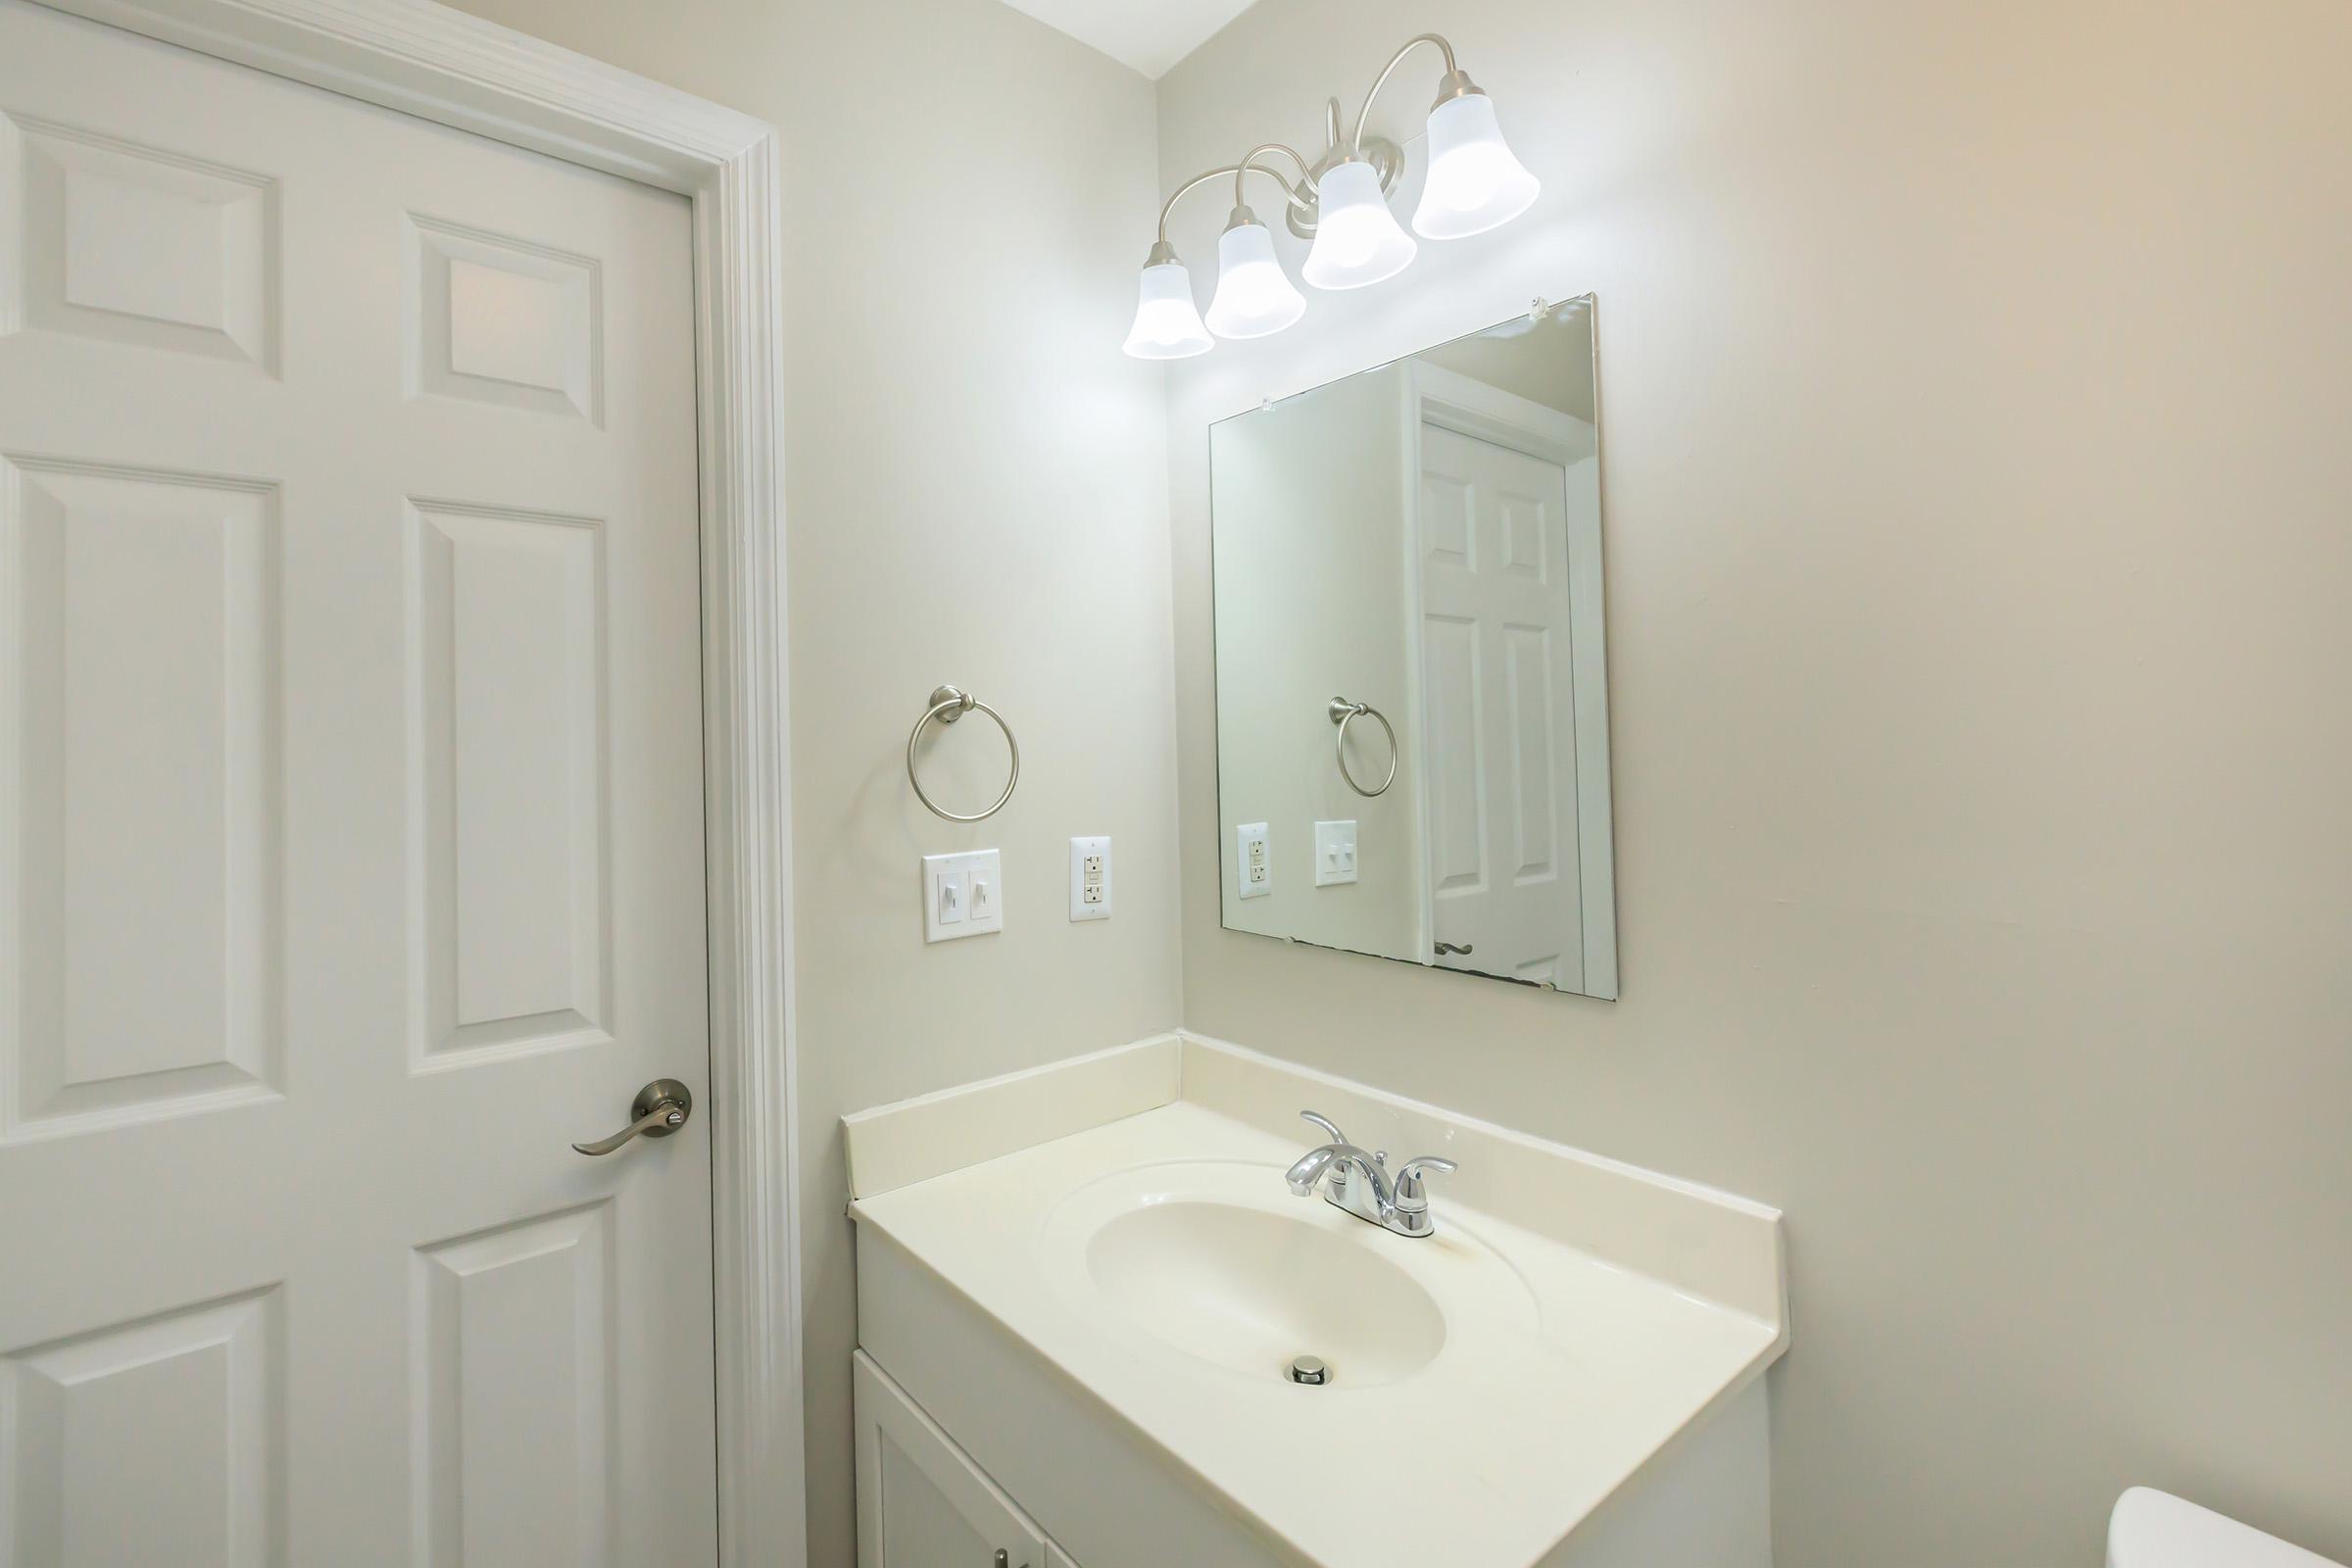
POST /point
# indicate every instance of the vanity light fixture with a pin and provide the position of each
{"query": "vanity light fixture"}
(1357, 240)
(1253, 299)
(1341, 204)
(1167, 324)
(1475, 184)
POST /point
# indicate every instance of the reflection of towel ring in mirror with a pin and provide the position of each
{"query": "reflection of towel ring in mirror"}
(1344, 714)
(947, 704)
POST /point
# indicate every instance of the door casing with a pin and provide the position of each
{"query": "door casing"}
(457, 70)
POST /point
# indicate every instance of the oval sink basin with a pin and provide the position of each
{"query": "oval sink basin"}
(1250, 1289)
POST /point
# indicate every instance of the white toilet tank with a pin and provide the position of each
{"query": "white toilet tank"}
(2152, 1528)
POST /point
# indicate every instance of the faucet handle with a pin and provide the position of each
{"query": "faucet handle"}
(1330, 1128)
(1411, 1198)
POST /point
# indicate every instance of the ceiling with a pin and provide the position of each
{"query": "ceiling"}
(1149, 34)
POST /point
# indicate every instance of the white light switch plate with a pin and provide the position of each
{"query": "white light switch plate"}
(1254, 859)
(1335, 853)
(1090, 878)
(964, 894)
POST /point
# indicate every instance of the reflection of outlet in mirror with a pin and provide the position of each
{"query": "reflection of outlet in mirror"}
(1335, 852)
(964, 894)
(1090, 878)
(1251, 856)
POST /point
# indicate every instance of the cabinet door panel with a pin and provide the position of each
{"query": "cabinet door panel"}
(921, 1501)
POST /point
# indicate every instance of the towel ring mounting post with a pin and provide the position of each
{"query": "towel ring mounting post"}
(1344, 714)
(947, 704)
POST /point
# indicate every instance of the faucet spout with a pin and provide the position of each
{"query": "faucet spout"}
(1302, 1176)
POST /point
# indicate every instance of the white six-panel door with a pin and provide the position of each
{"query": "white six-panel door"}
(350, 834)
(1499, 752)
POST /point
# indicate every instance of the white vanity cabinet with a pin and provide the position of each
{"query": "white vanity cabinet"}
(921, 1501)
(1072, 1339)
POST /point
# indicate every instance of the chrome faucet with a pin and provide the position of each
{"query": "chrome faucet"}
(1359, 1182)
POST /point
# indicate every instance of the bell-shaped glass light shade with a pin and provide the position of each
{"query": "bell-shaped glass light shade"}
(1473, 183)
(1357, 240)
(1254, 298)
(1167, 324)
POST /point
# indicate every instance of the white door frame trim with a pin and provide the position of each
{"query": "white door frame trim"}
(442, 64)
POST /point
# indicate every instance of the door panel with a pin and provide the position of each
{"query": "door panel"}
(502, 320)
(507, 641)
(512, 1332)
(921, 1503)
(143, 245)
(349, 833)
(148, 925)
(187, 1398)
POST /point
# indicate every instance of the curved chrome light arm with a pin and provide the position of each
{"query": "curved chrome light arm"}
(1355, 143)
(1294, 194)
(1244, 167)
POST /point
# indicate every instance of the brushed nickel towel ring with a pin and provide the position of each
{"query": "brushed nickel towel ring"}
(1344, 714)
(947, 704)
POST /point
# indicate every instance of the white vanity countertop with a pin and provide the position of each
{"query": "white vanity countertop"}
(1557, 1373)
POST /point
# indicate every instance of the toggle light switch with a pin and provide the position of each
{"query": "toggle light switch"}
(1335, 852)
(964, 894)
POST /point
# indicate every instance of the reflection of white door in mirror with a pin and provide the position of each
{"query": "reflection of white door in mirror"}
(1503, 582)
(1501, 793)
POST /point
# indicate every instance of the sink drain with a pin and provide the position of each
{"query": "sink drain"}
(1309, 1369)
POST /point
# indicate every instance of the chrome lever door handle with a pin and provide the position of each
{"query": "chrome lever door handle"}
(660, 1108)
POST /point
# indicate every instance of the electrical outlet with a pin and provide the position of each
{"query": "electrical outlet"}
(1254, 859)
(1090, 878)
(1335, 853)
(964, 894)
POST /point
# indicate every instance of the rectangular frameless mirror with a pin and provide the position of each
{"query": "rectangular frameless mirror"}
(1412, 700)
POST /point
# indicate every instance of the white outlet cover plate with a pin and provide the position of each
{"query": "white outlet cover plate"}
(1089, 873)
(1246, 837)
(1335, 853)
(978, 877)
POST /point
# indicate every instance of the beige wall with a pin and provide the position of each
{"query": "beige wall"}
(976, 488)
(1980, 542)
